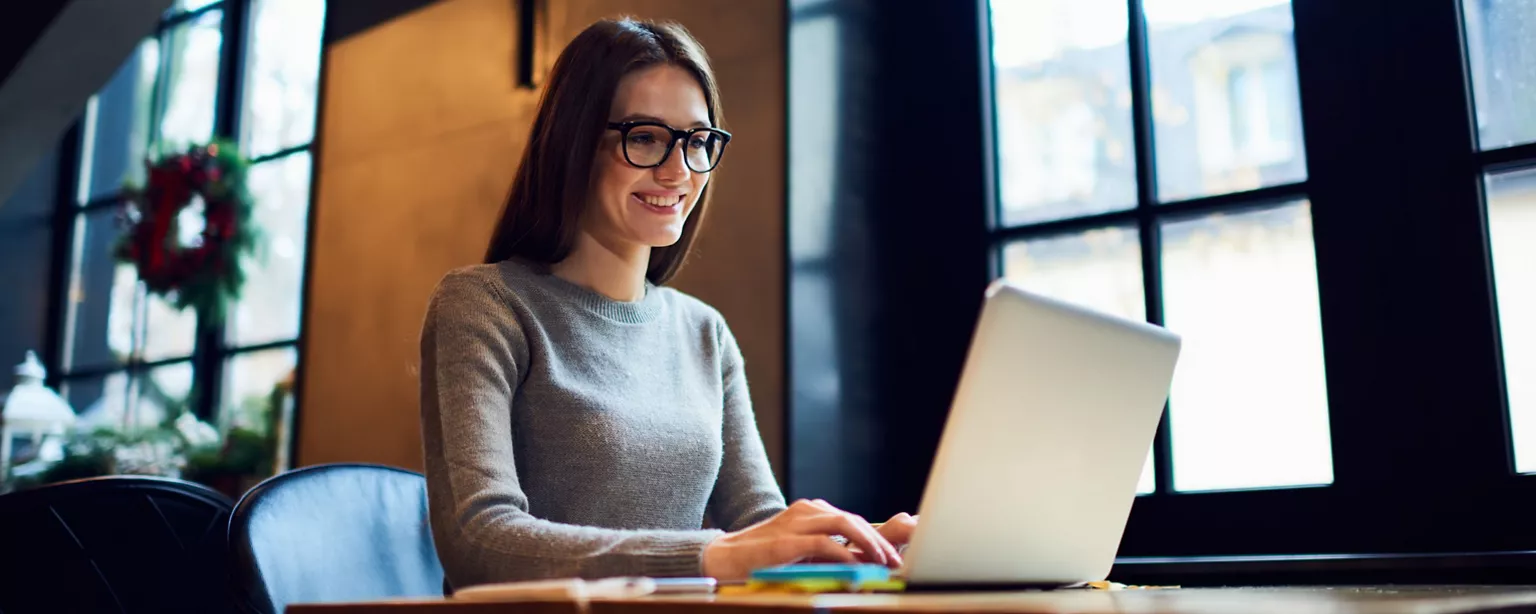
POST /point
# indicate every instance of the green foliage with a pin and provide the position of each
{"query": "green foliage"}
(244, 451)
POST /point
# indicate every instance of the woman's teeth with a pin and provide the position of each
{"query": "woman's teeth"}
(659, 201)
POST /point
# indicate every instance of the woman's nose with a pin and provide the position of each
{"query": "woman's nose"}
(675, 168)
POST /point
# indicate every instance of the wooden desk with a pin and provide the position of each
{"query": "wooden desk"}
(1343, 600)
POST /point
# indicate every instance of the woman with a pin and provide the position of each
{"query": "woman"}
(579, 418)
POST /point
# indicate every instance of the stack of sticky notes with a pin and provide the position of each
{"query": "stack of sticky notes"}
(820, 578)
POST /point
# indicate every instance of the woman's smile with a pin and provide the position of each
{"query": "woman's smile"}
(665, 203)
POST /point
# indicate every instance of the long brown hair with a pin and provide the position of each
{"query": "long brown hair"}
(541, 217)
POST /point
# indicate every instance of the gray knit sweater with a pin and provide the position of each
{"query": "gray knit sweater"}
(568, 434)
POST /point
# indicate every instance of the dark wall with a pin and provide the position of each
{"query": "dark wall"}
(887, 219)
(20, 25)
(26, 238)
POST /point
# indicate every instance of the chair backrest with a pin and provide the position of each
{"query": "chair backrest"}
(330, 533)
(114, 544)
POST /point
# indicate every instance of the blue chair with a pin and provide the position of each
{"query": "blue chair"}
(115, 544)
(333, 533)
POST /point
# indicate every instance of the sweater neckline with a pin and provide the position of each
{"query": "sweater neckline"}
(592, 301)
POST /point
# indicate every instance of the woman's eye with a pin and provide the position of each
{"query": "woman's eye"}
(698, 142)
(641, 139)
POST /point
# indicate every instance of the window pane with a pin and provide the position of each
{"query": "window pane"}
(1249, 407)
(815, 90)
(105, 401)
(1512, 224)
(119, 123)
(1063, 108)
(282, 75)
(192, 83)
(1098, 269)
(111, 316)
(1502, 51)
(1226, 113)
(252, 380)
(190, 5)
(270, 302)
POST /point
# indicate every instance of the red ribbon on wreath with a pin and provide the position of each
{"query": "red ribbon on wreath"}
(206, 274)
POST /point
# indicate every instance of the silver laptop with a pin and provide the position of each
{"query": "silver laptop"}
(1045, 441)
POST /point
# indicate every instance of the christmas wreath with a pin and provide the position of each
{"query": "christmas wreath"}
(205, 273)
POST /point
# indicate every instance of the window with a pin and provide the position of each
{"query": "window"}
(1329, 200)
(1408, 243)
(125, 356)
(1063, 115)
(1258, 93)
(1249, 406)
(1216, 243)
(1512, 222)
(1502, 62)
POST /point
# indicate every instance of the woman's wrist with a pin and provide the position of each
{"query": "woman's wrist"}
(707, 563)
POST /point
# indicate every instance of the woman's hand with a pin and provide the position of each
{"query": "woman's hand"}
(804, 531)
(898, 530)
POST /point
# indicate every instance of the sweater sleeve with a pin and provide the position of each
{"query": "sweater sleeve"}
(745, 491)
(471, 345)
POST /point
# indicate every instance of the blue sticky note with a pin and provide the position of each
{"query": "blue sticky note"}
(851, 574)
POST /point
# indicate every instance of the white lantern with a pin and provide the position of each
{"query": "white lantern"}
(32, 409)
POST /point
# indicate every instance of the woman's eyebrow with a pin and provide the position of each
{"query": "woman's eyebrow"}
(652, 118)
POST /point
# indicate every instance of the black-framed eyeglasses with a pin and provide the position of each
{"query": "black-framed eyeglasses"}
(647, 144)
